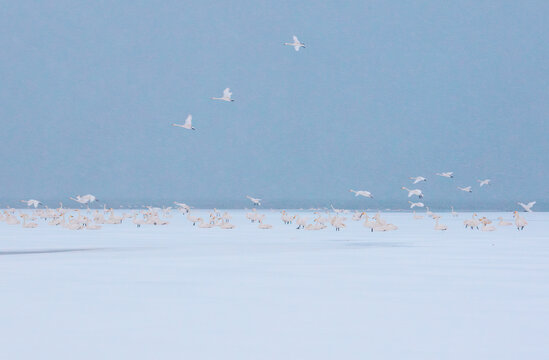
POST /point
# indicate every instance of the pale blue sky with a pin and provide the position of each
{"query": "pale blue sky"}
(383, 91)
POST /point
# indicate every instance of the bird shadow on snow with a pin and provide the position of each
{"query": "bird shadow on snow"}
(48, 251)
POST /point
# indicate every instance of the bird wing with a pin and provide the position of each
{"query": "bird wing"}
(188, 120)
(295, 39)
(227, 92)
(530, 204)
(296, 47)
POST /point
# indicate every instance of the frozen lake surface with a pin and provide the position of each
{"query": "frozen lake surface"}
(180, 292)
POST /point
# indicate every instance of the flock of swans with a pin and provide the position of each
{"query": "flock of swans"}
(227, 94)
(73, 218)
(86, 219)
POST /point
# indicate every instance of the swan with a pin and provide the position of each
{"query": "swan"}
(357, 216)
(192, 219)
(472, 223)
(204, 225)
(484, 182)
(454, 214)
(226, 217)
(86, 199)
(449, 174)
(12, 220)
(286, 219)
(32, 202)
(301, 222)
(227, 226)
(520, 222)
(296, 44)
(338, 222)
(362, 193)
(264, 226)
(418, 179)
(315, 226)
(487, 228)
(466, 189)
(486, 224)
(381, 225)
(417, 192)
(188, 123)
(503, 222)
(416, 204)
(183, 206)
(527, 207)
(255, 201)
(417, 217)
(26, 225)
(138, 222)
(438, 226)
(429, 212)
(252, 216)
(226, 95)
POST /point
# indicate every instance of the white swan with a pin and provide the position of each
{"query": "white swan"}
(226, 95)
(503, 222)
(449, 174)
(32, 202)
(438, 226)
(183, 206)
(188, 123)
(301, 222)
(416, 204)
(454, 214)
(86, 199)
(418, 179)
(527, 207)
(484, 182)
(417, 217)
(255, 201)
(520, 222)
(296, 44)
(362, 193)
(472, 223)
(26, 225)
(466, 189)
(417, 192)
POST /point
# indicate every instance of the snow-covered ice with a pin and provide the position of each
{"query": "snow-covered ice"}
(180, 292)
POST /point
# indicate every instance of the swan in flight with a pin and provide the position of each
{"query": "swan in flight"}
(362, 193)
(32, 202)
(449, 174)
(256, 202)
(188, 123)
(417, 192)
(226, 95)
(183, 206)
(418, 179)
(527, 207)
(466, 189)
(484, 182)
(296, 44)
(86, 199)
(416, 204)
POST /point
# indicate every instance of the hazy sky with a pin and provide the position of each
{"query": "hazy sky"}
(383, 91)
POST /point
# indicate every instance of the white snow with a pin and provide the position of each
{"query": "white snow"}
(180, 292)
